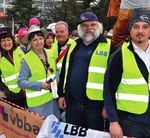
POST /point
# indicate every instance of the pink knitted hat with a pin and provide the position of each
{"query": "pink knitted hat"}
(34, 21)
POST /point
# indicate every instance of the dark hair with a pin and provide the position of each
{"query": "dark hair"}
(7, 35)
(38, 33)
(49, 35)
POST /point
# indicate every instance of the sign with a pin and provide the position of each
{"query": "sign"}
(53, 128)
(18, 123)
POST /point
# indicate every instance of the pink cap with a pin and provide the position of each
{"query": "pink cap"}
(22, 32)
(34, 21)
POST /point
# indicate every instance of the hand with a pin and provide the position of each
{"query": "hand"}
(62, 103)
(104, 113)
(115, 130)
(45, 86)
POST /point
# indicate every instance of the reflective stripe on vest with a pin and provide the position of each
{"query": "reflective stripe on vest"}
(133, 91)
(12, 86)
(132, 97)
(38, 74)
(10, 72)
(36, 93)
(133, 81)
(59, 65)
(10, 78)
(96, 70)
(94, 86)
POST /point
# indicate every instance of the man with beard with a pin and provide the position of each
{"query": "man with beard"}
(81, 80)
(126, 86)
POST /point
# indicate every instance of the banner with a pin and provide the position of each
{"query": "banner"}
(18, 123)
(52, 128)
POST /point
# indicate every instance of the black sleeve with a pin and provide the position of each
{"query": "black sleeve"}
(112, 48)
(3, 87)
(112, 79)
(61, 81)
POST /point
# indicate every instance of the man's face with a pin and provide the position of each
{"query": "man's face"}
(89, 30)
(61, 33)
(140, 32)
(89, 25)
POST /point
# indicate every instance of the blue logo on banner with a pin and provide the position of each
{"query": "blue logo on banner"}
(55, 129)
(68, 129)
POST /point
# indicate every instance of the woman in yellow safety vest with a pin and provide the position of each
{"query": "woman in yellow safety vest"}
(38, 67)
(10, 58)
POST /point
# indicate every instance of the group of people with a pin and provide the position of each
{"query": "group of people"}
(95, 81)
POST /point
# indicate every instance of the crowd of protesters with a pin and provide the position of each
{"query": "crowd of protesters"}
(51, 71)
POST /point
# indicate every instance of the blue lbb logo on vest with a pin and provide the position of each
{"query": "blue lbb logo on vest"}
(101, 53)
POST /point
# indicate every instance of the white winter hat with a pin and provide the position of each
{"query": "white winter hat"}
(51, 27)
(35, 28)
